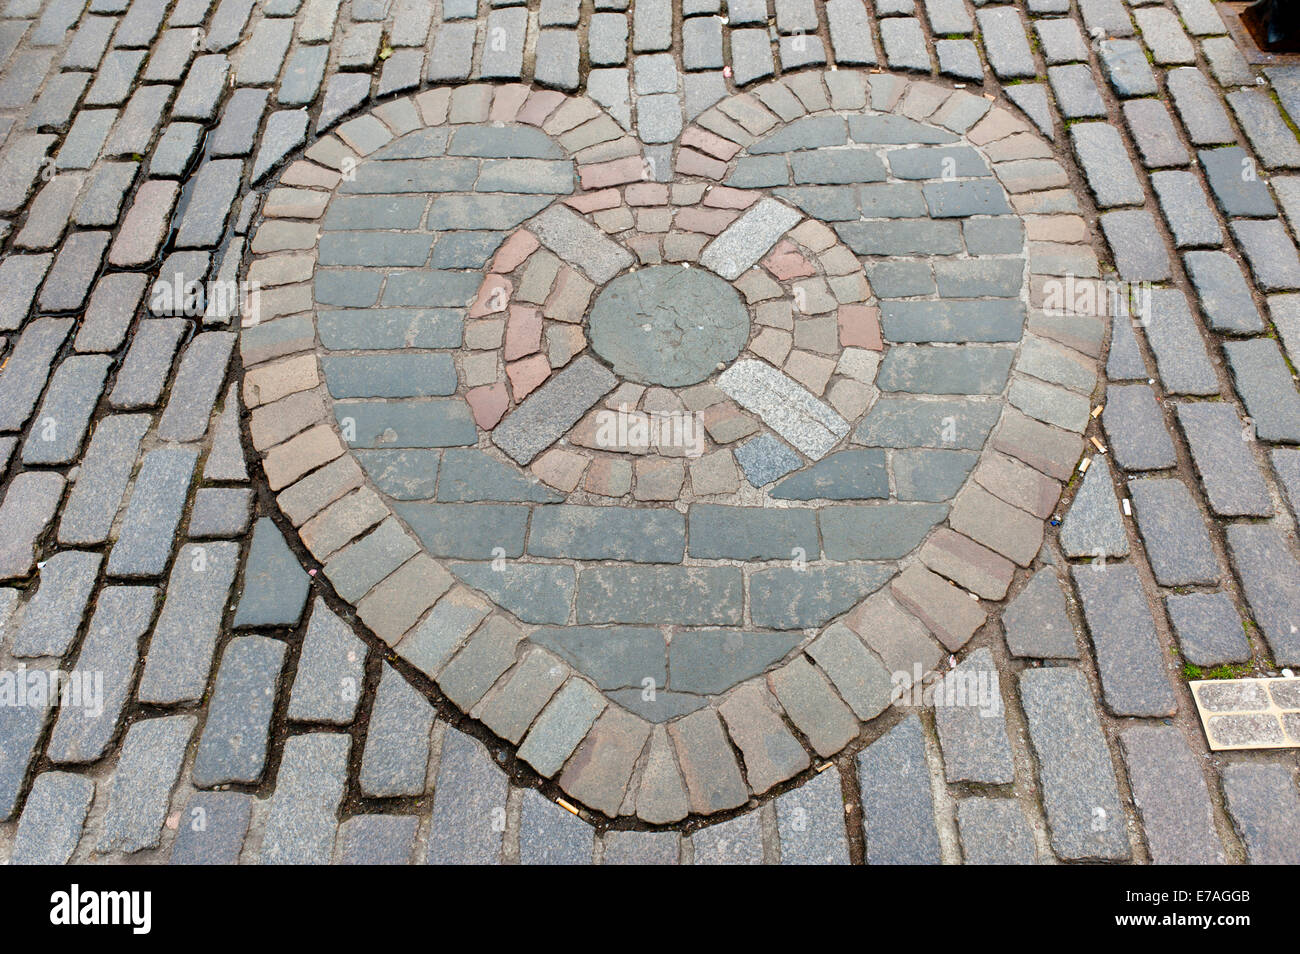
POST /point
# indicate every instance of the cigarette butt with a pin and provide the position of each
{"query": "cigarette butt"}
(1096, 411)
(1083, 465)
(566, 806)
(1128, 508)
(824, 766)
(1101, 448)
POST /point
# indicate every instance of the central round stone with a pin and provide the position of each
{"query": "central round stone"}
(668, 325)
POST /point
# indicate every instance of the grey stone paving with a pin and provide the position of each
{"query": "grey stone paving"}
(146, 567)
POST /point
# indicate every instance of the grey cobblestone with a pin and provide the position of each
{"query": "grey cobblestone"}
(140, 793)
(1233, 483)
(994, 832)
(810, 823)
(469, 802)
(331, 669)
(185, 636)
(1178, 346)
(52, 617)
(549, 835)
(212, 829)
(302, 822)
(1080, 795)
(1131, 663)
(51, 824)
(898, 809)
(1270, 577)
(1265, 810)
(971, 723)
(1222, 292)
(397, 741)
(1208, 628)
(143, 544)
(235, 736)
(105, 471)
(1177, 543)
(378, 839)
(275, 586)
(111, 647)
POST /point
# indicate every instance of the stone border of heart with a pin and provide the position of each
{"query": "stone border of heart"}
(768, 729)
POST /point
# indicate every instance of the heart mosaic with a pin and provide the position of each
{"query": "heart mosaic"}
(671, 478)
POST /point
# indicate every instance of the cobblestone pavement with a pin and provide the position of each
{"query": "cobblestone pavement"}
(688, 432)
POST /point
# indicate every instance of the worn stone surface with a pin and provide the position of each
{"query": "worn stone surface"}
(897, 806)
(1170, 793)
(1084, 815)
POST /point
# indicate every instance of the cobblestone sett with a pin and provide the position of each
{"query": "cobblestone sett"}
(1132, 665)
(699, 596)
(997, 525)
(550, 835)
(145, 369)
(1208, 627)
(947, 611)
(331, 669)
(469, 801)
(197, 384)
(748, 238)
(1179, 349)
(971, 723)
(1170, 793)
(1234, 193)
(467, 531)
(22, 728)
(52, 617)
(1136, 429)
(378, 840)
(856, 673)
(784, 405)
(51, 824)
(1265, 811)
(275, 585)
(1173, 532)
(27, 369)
(751, 533)
(1222, 292)
(813, 706)
(876, 531)
(968, 564)
(994, 832)
(1270, 577)
(111, 647)
(601, 767)
(561, 726)
(397, 741)
(811, 822)
(1139, 252)
(1233, 483)
(140, 794)
(605, 533)
(1084, 816)
(989, 320)
(552, 409)
(509, 709)
(236, 734)
(1268, 249)
(898, 809)
(64, 414)
(535, 594)
(1036, 622)
(1093, 526)
(303, 817)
